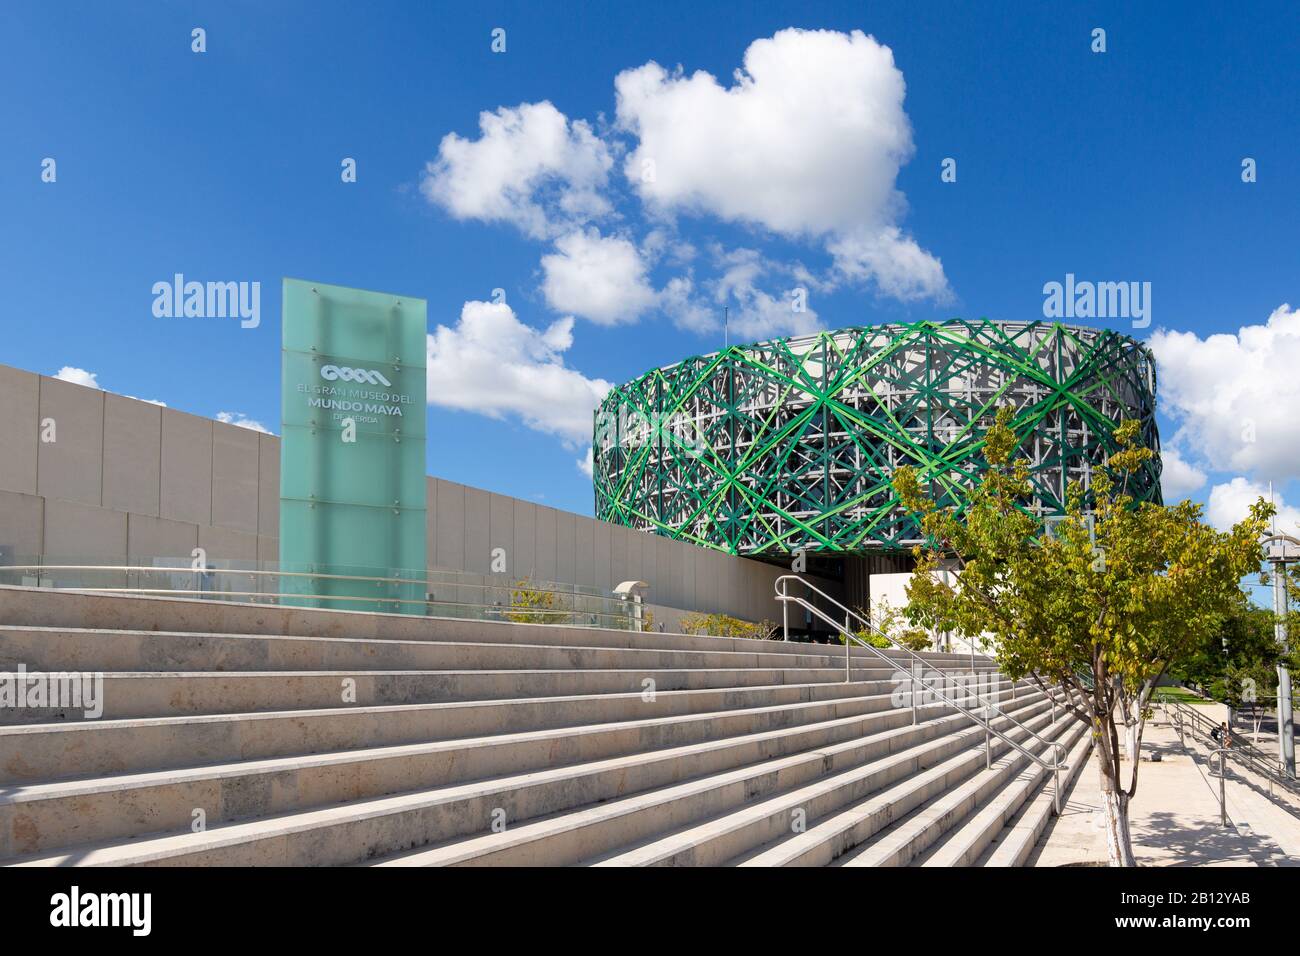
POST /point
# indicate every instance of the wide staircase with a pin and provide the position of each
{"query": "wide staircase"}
(255, 735)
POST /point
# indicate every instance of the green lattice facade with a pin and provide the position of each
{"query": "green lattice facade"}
(762, 449)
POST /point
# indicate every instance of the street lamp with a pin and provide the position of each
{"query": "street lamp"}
(1282, 549)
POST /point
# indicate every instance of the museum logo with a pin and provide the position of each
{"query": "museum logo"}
(366, 376)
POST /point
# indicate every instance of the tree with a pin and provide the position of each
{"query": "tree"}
(1098, 602)
(1236, 663)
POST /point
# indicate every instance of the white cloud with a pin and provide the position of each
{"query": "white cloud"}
(530, 166)
(760, 315)
(493, 364)
(241, 420)
(1231, 502)
(679, 302)
(587, 464)
(77, 376)
(1235, 397)
(601, 278)
(807, 142)
(899, 267)
(1178, 477)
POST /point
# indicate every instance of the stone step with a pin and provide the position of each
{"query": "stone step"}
(966, 842)
(49, 610)
(40, 752)
(40, 817)
(588, 835)
(904, 841)
(836, 830)
(363, 829)
(125, 695)
(64, 649)
(1015, 844)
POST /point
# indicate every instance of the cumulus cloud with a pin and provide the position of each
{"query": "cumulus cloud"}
(77, 376)
(491, 363)
(602, 278)
(806, 142)
(240, 420)
(761, 315)
(530, 166)
(1235, 396)
(1178, 477)
(1231, 502)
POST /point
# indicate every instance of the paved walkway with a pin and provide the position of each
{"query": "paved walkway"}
(1174, 819)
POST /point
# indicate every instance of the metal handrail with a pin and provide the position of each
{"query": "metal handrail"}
(425, 584)
(1243, 751)
(1056, 766)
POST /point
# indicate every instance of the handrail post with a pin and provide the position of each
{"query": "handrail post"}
(1056, 797)
(847, 632)
(785, 618)
(1223, 774)
(912, 669)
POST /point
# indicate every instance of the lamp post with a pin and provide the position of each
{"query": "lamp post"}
(1282, 549)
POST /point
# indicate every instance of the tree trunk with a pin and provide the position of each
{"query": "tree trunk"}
(1114, 817)
(1131, 732)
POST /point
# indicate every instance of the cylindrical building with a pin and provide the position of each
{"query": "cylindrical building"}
(792, 444)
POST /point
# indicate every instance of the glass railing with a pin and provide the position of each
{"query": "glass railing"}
(433, 592)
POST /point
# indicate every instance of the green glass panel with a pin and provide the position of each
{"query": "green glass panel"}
(352, 451)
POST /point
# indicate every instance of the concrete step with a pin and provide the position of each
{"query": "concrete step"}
(588, 835)
(103, 650)
(361, 829)
(904, 841)
(835, 830)
(1015, 843)
(129, 695)
(40, 817)
(968, 840)
(41, 752)
(51, 610)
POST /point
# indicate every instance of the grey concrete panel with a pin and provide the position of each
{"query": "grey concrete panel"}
(566, 558)
(19, 429)
(151, 538)
(21, 523)
(235, 477)
(501, 531)
(603, 541)
(268, 486)
(545, 545)
(524, 525)
(186, 493)
(132, 455)
(585, 551)
(223, 544)
(477, 548)
(74, 531)
(618, 562)
(72, 465)
(449, 534)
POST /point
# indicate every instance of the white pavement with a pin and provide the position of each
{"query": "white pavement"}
(1175, 818)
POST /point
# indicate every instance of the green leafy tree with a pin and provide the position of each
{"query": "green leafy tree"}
(1100, 603)
(891, 621)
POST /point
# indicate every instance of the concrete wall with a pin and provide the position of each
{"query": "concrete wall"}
(124, 480)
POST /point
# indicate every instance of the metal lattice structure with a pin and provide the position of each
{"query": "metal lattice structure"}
(792, 443)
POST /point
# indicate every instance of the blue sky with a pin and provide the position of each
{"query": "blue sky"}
(225, 165)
